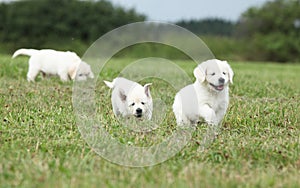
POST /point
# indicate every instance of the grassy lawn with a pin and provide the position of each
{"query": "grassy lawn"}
(258, 145)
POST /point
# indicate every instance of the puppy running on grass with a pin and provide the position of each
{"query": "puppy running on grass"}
(130, 98)
(208, 97)
(51, 62)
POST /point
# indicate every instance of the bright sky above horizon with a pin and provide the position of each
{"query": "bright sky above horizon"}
(175, 10)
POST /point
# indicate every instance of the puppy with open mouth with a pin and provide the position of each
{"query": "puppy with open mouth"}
(130, 98)
(51, 62)
(208, 97)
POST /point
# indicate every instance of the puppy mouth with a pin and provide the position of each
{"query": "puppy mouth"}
(218, 88)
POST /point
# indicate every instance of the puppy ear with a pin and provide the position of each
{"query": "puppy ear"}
(109, 84)
(230, 72)
(122, 95)
(199, 73)
(72, 72)
(147, 89)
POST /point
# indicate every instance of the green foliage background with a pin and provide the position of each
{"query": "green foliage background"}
(266, 33)
(272, 31)
(59, 24)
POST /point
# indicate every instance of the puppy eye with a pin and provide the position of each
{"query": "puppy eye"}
(213, 74)
(224, 73)
(132, 104)
(142, 103)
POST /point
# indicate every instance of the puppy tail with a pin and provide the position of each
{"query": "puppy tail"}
(109, 84)
(28, 52)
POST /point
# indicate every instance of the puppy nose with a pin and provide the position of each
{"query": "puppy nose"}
(221, 80)
(139, 111)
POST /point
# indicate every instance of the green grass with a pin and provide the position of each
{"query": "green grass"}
(258, 146)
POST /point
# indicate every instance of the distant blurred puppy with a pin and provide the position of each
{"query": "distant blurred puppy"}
(64, 64)
(208, 97)
(130, 98)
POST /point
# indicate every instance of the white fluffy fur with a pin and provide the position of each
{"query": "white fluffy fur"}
(208, 97)
(130, 98)
(64, 64)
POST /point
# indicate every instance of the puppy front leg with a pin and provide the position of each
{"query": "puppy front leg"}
(64, 77)
(208, 114)
(220, 115)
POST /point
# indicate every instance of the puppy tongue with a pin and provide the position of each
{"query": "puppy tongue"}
(220, 87)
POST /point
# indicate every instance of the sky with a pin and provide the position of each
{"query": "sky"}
(175, 10)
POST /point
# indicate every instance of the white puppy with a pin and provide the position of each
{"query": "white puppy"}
(208, 97)
(52, 62)
(130, 98)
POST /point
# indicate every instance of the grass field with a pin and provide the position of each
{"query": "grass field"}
(258, 145)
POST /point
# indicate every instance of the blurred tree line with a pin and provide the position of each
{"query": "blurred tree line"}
(269, 33)
(210, 26)
(54, 23)
(272, 31)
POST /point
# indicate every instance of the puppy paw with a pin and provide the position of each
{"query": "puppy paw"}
(212, 121)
